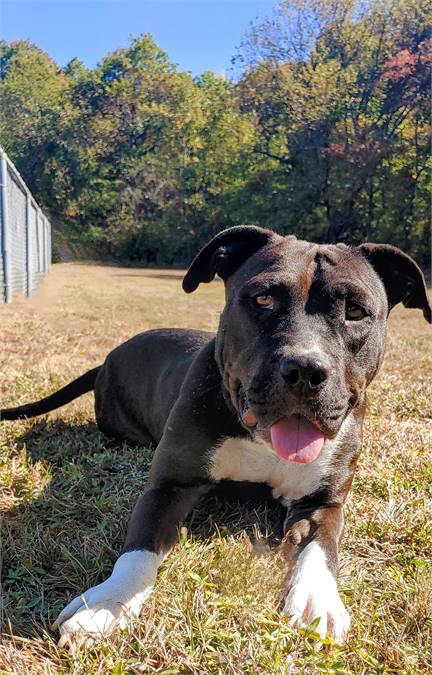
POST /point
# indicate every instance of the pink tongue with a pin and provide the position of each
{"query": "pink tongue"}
(296, 440)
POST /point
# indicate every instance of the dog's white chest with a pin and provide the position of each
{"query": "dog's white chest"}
(244, 459)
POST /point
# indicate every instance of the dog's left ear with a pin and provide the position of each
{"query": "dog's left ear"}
(225, 253)
(402, 277)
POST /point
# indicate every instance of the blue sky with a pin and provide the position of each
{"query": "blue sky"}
(198, 35)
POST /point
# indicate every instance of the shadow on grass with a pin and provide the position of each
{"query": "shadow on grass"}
(165, 277)
(65, 537)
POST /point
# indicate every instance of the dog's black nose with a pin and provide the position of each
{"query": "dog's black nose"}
(305, 369)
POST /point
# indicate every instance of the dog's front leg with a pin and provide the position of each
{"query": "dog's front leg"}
(311, 548)
(151, 534)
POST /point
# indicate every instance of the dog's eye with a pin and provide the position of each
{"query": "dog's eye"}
(354, 312)
(266, 301)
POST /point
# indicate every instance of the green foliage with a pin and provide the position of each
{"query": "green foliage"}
(324, 134)
(340, 91)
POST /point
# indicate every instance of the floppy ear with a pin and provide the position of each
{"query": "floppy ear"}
(225, 253)
(402, 277)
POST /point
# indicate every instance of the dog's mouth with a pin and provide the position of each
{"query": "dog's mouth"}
(295, 439)
(292, 437)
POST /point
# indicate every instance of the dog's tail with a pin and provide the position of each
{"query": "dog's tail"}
(80, 386)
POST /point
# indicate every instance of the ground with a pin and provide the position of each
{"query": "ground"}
(66, 493)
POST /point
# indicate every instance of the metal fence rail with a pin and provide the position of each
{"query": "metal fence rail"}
(25, 236)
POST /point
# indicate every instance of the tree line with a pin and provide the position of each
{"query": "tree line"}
(322, 131)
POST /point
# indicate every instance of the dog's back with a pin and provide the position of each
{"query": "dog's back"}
(140, 380)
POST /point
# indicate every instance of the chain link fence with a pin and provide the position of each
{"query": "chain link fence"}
(25, 236)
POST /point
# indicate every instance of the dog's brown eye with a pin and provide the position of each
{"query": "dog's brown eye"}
(354, 313)
(265, 301)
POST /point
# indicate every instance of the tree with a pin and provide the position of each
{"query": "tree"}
(32, 110)
(324, 134)
(334, 86)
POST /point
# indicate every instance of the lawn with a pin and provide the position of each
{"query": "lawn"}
(66, 493)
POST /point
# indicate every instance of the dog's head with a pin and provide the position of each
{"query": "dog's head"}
(303, 330)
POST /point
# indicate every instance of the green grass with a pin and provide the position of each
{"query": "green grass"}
(66, 493)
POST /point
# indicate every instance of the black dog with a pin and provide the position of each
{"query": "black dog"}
(276, 397)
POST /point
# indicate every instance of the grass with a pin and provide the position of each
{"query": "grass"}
(66, 493)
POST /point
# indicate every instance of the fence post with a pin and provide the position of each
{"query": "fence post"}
(44, 233)
(27, 226)
(47, 245)
(4, 227)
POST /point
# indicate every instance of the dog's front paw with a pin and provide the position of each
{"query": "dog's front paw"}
(313, 594)
(94, 614)
(109, 605)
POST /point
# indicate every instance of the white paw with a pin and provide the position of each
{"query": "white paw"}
(101, 609)
(314, 594)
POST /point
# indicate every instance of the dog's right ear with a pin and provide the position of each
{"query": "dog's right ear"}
(402, 278)
(224, 254)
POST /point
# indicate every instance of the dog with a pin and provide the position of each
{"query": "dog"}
(277, 396)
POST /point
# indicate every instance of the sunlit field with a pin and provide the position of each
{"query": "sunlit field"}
(66, 493)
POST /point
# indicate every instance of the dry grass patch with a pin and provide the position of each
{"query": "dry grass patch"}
(66, 494)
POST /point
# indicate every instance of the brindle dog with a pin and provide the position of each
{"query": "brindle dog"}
(277, 396)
